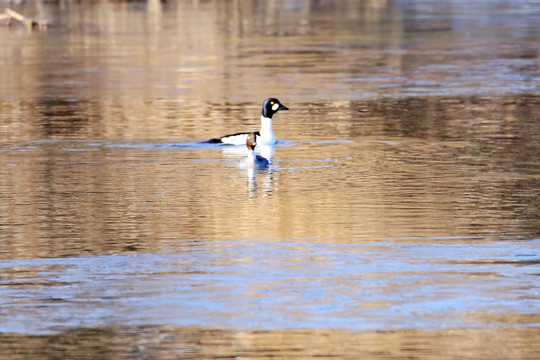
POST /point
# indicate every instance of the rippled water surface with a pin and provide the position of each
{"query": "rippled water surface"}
(399, 218)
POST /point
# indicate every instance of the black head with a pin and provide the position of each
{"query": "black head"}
(272, 106)
(251, 141)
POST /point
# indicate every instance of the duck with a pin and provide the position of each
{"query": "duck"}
(252, 160)
(265, 136)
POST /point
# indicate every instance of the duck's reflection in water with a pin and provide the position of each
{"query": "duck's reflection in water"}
(237, 152)
(263, 181)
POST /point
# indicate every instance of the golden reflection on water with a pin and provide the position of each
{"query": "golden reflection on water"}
(182, 69)
(371, 183)
(197, 343)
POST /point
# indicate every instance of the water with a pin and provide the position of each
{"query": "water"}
(399, 216)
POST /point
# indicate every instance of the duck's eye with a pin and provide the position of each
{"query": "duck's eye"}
(272, 103)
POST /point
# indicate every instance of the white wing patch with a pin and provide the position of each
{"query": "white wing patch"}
(275, 107)
(239, 139)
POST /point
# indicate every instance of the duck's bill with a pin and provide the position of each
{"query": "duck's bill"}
(282, 107)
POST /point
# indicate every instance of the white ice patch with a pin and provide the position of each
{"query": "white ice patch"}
(275, 107)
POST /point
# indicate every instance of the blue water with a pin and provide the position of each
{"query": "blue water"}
(256, 284)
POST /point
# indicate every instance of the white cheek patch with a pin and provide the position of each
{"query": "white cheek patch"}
(275, 107)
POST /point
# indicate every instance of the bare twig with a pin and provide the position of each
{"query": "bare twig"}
(31, 23)
(15, 15)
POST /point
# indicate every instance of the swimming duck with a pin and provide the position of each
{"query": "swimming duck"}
(252, 161)
(265, 136)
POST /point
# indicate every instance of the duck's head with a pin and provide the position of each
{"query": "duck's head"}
(251, 141)
(272, 106)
